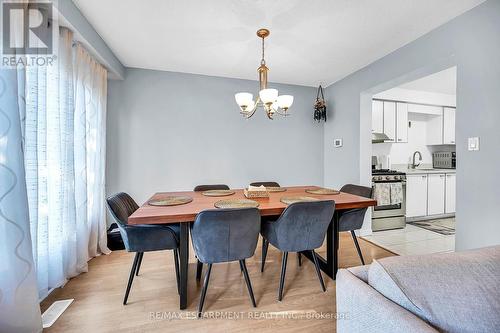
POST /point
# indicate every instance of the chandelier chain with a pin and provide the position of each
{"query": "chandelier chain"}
(262, 61)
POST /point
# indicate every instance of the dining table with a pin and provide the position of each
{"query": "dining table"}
(185, 214)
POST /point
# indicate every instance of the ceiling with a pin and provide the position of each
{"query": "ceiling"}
(311, 42)
(444, 82)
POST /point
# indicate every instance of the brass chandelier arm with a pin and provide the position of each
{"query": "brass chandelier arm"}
(250, 113)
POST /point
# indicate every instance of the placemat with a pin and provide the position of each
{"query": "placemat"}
(323, 191)
(218, 193)
(291, 200)
(236, 203)
(275, 189)
(171, 201)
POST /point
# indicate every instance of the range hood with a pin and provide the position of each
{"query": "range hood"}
(379, 137)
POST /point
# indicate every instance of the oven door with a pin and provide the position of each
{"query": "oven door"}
(391, 210)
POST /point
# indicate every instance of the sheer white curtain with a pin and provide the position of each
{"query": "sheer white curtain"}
(19, 309)
(64, 156)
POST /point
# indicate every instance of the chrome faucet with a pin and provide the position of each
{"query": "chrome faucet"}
(413, 165)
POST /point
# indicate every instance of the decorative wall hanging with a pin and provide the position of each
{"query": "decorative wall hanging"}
(267, 98)
(320, 106)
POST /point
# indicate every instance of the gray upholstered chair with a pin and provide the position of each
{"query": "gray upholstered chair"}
(352, 219)
(202, 188)
(224, 235)
(266, 184)
(142, 238)
(301, 227)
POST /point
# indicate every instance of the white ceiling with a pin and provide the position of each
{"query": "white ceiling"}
(444, 82)
(311, 42)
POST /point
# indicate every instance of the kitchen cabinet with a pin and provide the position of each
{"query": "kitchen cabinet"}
(435, 194)
(435, 130)
(425, 109)
(390, 120)
(378, 116)
(448, 126)
(416, 195)
(450, 195)
(402, 122)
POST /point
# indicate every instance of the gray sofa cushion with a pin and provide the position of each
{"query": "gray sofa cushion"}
(455, 292)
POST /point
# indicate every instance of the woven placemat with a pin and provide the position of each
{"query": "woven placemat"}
(218, 193)
(275, 189)
(323, 191)
(291, 200)
(171, 201)
(236, 203)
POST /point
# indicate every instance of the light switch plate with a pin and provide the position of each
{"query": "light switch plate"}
(337, 143)
(473, 144)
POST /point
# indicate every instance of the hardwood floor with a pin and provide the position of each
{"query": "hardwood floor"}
(153, 304)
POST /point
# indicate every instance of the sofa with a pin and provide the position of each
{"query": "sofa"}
(445, 292)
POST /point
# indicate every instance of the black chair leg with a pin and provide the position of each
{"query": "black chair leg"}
(141, 254)
(282, 277)
(131, 277)
(265, 245)
(299, 255)
(204, 290)
(199, 270)
(247, 280)
(357, 246)
(177, 277)
(318, 270)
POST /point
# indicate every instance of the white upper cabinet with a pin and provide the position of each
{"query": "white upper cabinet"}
(425, 109)
(436, 194)
(435, 129)
(390, 120)
(402, 122)
(378, 116)
(448, 126)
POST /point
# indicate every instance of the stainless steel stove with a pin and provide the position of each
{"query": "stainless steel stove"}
(389, 216)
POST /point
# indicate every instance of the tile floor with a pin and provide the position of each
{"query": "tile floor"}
(412, 240)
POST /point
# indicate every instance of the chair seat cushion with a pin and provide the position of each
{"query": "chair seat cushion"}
(150, 237)
(455, 292)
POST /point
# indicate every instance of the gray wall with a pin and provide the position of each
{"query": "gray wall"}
(472, 43)
(170, 131)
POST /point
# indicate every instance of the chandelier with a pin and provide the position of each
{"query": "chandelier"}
(267, 98)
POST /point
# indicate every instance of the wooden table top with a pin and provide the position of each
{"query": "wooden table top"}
(147, 214)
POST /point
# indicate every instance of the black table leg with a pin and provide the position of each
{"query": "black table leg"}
(183, 258)
(330, 264)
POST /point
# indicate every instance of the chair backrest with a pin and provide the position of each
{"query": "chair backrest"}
(200, 188)
(353, 219)
(266, 184)
(121, 206)
(302, 226)
(222, 235)
(362, 191)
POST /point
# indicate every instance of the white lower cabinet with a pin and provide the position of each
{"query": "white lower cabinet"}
(435, 194)
(430, 194)
(450, 193)
(416, 195)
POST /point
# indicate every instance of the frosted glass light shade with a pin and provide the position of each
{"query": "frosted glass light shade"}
(268, 95)
(285, 101)
(244, 99)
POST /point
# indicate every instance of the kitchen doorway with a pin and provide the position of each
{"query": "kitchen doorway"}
(413, 161)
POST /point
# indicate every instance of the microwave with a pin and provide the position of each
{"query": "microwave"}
(444, 160)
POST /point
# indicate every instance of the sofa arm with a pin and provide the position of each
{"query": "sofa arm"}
(361, 308)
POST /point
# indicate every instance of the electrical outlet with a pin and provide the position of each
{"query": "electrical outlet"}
(473, 144)
(337, 143)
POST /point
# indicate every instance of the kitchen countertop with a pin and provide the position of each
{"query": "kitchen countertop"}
(425, 169)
